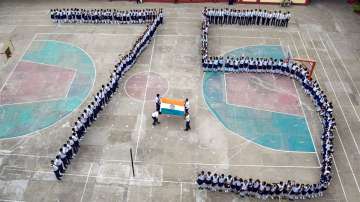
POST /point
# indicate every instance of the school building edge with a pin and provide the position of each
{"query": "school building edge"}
(297, 2)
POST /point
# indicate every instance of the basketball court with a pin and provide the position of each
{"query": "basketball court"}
(245, 124)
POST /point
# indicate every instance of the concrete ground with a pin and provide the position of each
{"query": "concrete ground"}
(166, 158)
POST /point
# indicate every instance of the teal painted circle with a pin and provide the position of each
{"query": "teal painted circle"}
(21, 119)
(268, 129)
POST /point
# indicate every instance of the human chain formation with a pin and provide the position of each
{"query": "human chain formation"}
(71, 147)
(241, 17)
(103, 16)
(247, 17)
(263, 189)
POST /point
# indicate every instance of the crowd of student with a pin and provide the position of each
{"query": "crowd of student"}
(241, 17)
(71, 147)
(247, 17)
(263, 189)
(103, 16)
(291, 189)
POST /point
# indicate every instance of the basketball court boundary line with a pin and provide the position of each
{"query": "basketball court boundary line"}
(38, 132)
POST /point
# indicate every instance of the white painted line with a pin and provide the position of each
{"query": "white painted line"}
(225, 90)
(337, 170)
(307, 124)
(302, 41)
(72, 80)
(104, 177)
(267, 110)
(337, 100)
(181, 192)
(51, 65)
(143, 106)
(87, 33)
(8, 200)
(343, 64)
(243, 37)
(341, 80)
(342, 186)
(33, 101)
(87, 180)
(301, 105)
(182, 163)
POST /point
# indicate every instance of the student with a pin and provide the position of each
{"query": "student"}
(187, 122)
(56, 170)
(155, 117)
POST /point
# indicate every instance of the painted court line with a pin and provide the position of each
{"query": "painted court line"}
(72, 80)
(342, 186)
(179, 163)
(343, 63)
(336, 97)
(260, 109)
(51, 65)
(143, 106)
(34, 101)
(303, 111)
(244, 37)
(225, 90)
(101, 177)
(307, 123)
(337, 170)
(341, 80)
(87, 180)
(337, 100)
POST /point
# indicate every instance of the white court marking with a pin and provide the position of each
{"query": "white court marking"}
(337, 100)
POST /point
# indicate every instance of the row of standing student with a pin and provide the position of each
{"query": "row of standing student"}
(256, 188)
(103, 16)
(247, 17)
(324, 108)
(69, 150)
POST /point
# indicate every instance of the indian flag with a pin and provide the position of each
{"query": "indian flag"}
(172, 107)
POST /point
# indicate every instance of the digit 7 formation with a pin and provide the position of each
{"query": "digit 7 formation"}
(153, 18)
